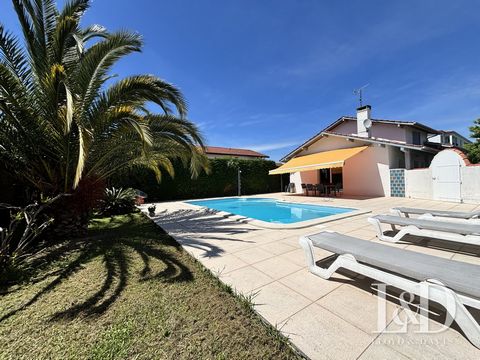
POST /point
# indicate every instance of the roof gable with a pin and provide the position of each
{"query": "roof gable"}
(385, 121)
(330, 128)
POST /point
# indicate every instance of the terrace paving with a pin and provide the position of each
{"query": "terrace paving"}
(325, 319)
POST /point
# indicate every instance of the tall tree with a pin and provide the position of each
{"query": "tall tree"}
(65, 121)
(473, 149)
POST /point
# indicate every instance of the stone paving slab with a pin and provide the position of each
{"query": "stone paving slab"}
(320, 334)
(325, 319)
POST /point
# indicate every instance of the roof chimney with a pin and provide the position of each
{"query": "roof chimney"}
(364, 122)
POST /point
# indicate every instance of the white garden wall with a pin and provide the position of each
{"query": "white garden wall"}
(418, 183)
(470, 189)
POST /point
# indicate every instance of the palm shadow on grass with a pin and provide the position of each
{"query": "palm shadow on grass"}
(113, 242)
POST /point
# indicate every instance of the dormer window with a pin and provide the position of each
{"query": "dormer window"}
(454, 141)
(416, 138)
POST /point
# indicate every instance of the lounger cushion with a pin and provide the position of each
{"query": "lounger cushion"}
(459, 276)
(450, 214)
(445, 226)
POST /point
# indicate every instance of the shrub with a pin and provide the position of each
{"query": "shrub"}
(118, 201)
(221, 181)
(17, 239)
(473, 149)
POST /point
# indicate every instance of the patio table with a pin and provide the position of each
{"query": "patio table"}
(331, 187)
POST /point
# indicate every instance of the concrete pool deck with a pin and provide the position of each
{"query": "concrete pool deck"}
(325, 319)
(279, 226)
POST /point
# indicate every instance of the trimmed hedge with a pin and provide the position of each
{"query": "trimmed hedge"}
(222, 180)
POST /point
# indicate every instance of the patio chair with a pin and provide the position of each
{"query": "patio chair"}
(338, 188)
(443, 230)
(452, 284)
(290, 188)
(429, 213)
(332, 188)
(321, 189)
(304, 189)
(310, 187)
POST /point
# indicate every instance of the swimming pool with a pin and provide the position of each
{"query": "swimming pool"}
(271, 210)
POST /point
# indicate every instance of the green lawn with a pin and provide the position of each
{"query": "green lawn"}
(128, 291)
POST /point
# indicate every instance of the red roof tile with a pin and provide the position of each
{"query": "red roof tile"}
(464, 157)
(216, 150)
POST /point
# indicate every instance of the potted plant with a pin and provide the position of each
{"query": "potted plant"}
(151, 210)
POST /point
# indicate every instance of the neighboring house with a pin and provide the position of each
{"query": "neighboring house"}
(214, 152)
(357, 154)
(449, 138)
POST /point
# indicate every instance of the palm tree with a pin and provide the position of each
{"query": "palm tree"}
(64, 120)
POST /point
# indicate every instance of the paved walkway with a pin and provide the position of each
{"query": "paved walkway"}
(325, 319)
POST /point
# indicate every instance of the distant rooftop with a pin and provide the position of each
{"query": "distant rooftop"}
(216, 150)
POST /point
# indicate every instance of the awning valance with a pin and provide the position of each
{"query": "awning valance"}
(322, 160)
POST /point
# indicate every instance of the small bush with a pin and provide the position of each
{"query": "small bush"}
(118, 201)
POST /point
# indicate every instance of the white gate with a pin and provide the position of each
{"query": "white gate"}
(447, 176)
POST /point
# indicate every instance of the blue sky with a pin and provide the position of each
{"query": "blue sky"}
(267, 75)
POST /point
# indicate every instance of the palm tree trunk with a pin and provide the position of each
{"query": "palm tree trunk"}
(68, 223)
(72, 213)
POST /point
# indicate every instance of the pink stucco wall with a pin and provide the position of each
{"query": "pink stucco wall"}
(378, 130)
(346, 127)
(330, 143)
(367, 173)
(304, 177)
(388, 131)
(309, 177)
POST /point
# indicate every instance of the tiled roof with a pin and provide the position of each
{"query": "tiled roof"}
(383, 141)
(366, 139)
(464, 157)
(217, 150)
(345, 118)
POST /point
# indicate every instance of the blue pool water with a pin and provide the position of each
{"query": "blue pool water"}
(271, 210)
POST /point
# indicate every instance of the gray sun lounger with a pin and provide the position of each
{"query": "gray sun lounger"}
(444, 230)
(452, 284)
(406, 211)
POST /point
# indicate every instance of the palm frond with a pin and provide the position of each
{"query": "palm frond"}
(136, 91)
(12, 55)
(83, 142)
(31, 25)
(74, 9)
(98, 60)
(59, 121)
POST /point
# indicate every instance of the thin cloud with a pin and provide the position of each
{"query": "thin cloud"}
(446, 103)
(204, 124)
(329, 56)
(273, 146)
(242, 123)
(258, 118)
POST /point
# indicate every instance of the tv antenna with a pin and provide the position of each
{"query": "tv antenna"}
(359, 92)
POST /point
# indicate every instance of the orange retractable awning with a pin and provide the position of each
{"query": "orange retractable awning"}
(322, 160)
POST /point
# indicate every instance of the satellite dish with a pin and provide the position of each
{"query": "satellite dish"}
(367, 123)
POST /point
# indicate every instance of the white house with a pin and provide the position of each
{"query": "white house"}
(376, 148)
(449, 138)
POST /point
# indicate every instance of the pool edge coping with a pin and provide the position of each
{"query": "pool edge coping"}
(277, 226)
